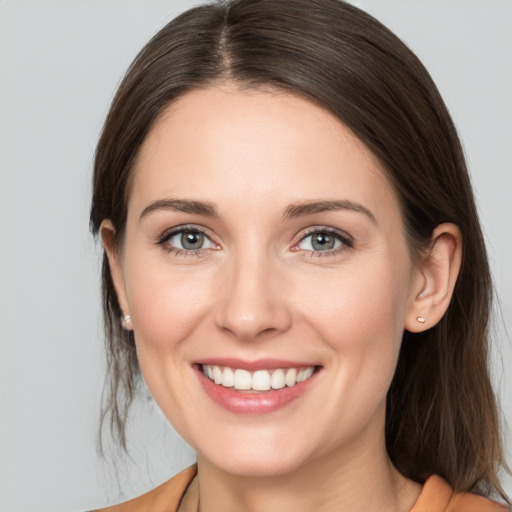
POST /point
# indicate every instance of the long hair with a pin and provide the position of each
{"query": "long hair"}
(441, 413)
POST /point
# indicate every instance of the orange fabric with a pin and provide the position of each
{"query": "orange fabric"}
(436, 496)
(164, 498)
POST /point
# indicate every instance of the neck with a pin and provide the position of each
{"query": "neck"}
(358, 479)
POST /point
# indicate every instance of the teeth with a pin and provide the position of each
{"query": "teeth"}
(217, 375)
(228, 378)
(277, 380)
(260, 380)
(291, 377)
(304, 374)
(242, 380)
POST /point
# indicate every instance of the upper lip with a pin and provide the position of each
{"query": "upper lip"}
(258, 364)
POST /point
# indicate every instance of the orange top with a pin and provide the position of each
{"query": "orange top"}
(436, 496)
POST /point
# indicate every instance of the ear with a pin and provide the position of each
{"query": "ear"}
(435, 279)
(107, 233)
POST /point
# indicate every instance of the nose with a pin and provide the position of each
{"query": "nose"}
(253, 304)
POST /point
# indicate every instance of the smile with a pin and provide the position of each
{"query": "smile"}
(258, 387)
(259, 380)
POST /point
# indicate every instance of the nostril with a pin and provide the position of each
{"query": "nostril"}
(268, 330)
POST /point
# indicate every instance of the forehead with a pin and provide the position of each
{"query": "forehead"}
(223, 144)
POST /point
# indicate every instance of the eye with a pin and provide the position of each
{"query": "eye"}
(324, 240)
(186, 239)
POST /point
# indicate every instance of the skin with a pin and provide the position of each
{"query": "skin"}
(258, 289)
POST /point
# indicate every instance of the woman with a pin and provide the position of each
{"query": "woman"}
(294, 261)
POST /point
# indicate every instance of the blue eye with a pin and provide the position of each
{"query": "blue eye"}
(187, 239)
(323, 240)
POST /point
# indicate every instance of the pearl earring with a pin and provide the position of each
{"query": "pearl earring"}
(125, 321)
(420, 319)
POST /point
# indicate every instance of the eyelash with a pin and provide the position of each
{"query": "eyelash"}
(346, 242)
(165, 237)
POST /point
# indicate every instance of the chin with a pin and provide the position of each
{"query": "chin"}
(257, 455)
(262, 465)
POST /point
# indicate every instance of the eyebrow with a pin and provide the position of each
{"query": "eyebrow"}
(310, 207)
(292, 211)
(181, 205)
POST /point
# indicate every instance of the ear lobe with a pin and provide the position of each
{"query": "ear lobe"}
(107, 233)
(433, 289)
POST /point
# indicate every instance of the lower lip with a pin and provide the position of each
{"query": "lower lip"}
(253, 403)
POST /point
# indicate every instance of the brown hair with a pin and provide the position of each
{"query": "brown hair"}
(441, 411)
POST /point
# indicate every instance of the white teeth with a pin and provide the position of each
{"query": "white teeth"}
(304, 374)
(217, 375)
(228, 378)
(260, 380)
(242, 380)
(277, 380)
(291, 377)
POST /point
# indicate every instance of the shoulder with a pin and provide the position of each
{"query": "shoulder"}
(438, 496)
(468, 502)
(164, 498)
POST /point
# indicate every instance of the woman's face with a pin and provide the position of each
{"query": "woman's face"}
(264, 246)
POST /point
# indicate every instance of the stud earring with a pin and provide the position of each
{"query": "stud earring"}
(420, 319)
(125, 321)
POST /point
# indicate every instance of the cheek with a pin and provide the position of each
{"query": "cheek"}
(360, 313)
(166, 302)
(167, 306)
(364, 301)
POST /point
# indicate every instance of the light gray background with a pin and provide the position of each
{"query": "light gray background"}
(60, 62)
